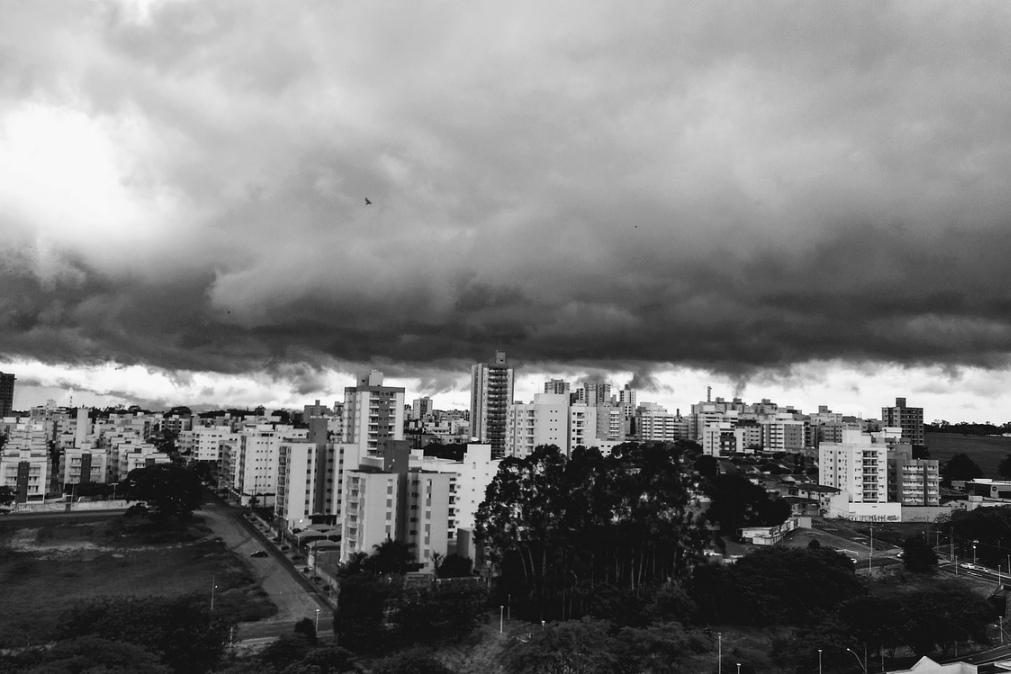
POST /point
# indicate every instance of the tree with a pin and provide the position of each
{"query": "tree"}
(959, 467)
(775, 586)
(169, 490)
(286, 649)
(411, 662)
(738, 502)
(566, 532)
(988, 527)
(180, 630)
(918, 556)
(7, 495)
(455, 566)
(390, 557)
(89, 654)
(1004, 468)
(584, 646)
(307, 628)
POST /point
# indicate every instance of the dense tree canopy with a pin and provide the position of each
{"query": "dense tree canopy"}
(86, 654)
(563, 530)
(738, 502)
(989, 528)
(596, 645)
(918, 556)
(180, 630)
(169, 490)
(775, 586)
(960, 467)
(455, 566)
(1004, 468)
(377, 612)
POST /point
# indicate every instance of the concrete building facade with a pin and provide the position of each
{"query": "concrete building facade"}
(491, 393)
(373, 413)
(909, 419)
(857, 466)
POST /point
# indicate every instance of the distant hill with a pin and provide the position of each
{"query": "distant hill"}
(986, 450)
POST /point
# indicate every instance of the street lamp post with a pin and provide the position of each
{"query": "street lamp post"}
(317, 621)
(213, 588)
(863, 667)
(719, 652)
(870, 553)
(974, 553)
(738, 668)
(501, 617)
(819, 661)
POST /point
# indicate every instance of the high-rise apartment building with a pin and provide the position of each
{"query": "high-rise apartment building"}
(545, 421)
(491, 393)
(421, 407)
(373, 413)
(626, 399)
(594, 393)
(6, 394)
(909, 419)
(556, 386)
(912, 482)
(858, 466)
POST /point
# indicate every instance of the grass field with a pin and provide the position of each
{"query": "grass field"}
(987, 451)
(45, 568)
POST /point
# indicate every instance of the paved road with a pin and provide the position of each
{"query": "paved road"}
(293, 601)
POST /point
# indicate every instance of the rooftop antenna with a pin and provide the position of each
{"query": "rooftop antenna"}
(709, 394)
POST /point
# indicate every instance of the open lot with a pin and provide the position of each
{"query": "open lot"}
(49, 564)
(987, 451)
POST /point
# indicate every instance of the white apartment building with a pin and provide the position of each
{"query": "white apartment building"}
(127, 455)
(473, 475)
(857, 466)
(203, 443)
(84, 464)
(718, 439)
(311, 479)
(704, 414)
(431, 517)
(657, 424)
(782, 433)
(583, 424)
(545, 421)
(251, 460)
(25, 466)
(369, 510)
(912, 482)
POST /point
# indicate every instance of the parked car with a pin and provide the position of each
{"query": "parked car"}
(259, 553)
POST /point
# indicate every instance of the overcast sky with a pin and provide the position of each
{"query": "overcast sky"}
(802, 201)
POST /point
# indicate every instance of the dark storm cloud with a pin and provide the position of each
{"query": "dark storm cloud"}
(732, 187)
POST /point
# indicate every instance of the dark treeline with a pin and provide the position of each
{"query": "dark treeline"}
(570, 534)
(967, 428)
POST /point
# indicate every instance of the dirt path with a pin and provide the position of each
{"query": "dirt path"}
(293, 601)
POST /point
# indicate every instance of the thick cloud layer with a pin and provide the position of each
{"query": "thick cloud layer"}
(734, 187)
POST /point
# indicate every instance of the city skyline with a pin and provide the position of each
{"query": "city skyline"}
(208, 204)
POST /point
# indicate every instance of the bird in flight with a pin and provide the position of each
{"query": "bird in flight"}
(367, 202)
